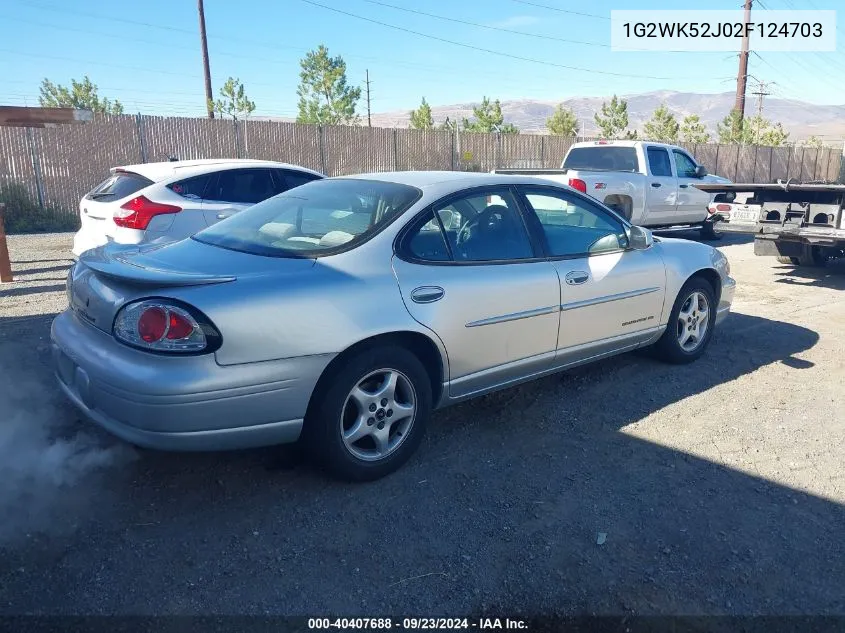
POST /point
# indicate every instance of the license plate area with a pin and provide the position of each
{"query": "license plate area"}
(745, 215)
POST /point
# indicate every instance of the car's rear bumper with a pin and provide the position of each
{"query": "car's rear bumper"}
(181, 403)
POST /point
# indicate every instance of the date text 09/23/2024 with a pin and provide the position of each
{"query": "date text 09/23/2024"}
(424, 624)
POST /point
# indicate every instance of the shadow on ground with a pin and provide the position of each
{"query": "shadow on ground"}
(500, 508)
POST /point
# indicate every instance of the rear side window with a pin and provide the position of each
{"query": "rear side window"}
(291, 179)
(118, 186)
(193, 188)
(242, 185)
(602, 158)
(658, 161)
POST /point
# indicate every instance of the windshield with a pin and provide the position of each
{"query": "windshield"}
(602, 158)
(313, 218)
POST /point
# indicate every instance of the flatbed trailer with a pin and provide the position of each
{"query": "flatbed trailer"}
(799, 223)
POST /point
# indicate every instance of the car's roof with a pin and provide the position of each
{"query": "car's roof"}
(185, 168)
(453, 180)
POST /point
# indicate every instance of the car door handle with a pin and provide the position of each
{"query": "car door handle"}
(655, 184)
(427, 294)
(223, 216)
(683, 186)
(576, 277)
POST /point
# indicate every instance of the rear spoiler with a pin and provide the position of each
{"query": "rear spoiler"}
(117, 263)
(529, 172)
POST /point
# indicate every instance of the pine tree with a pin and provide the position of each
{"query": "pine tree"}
(421, 117)
(662, 127)
(693, 131)
(563, 122)
(81, 95)
(325, 97)
(613, 118)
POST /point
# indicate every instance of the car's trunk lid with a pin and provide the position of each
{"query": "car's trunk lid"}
(107, 278)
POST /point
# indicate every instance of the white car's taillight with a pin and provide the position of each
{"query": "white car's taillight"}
(160, 325)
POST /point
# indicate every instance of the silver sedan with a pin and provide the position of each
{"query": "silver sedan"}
(341, 313)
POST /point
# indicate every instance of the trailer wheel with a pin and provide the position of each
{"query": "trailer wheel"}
(812, 256)
(790, 261)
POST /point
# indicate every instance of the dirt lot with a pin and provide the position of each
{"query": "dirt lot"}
(719, 486)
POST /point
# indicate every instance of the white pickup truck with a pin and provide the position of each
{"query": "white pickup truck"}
(651, 184)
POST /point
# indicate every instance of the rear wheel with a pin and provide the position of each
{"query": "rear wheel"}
(812, 256)
(372, 414)
(691, 323)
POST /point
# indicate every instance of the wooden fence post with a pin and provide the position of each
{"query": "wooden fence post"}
(142, 144)
(395, 152)
(36, 167)
(321, 143)
(5, 264)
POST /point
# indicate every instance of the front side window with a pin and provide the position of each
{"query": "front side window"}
(658, 161)
(684, 165)
(316, 217)
(574, 227)
(485, 227)
(246, 186)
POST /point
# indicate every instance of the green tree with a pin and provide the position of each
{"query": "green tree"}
(693, 130)
(772, 135)
(488, 117)
(813, 141)
(563, 122)
(81, 94)
(732, 129)
(325, 97)
(233, 101)
(421, 117)
(613, 118)
(662, 127)
(448, 125)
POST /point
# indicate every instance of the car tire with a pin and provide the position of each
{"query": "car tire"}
(336, 412)
(676, 345)
(710, 231)
(785, 259)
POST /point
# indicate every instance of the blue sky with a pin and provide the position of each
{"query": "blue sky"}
(147, 53)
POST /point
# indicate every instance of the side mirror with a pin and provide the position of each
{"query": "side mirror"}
(700, 171)
(639, 239)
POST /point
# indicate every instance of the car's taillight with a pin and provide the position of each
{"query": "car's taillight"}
(577, 183)
(719, 208)
(137, 213)
(160, 325)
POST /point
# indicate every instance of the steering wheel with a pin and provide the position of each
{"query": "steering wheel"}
(488, 221)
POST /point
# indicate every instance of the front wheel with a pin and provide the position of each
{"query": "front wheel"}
(691, 323)
(710, 231)
(371, 417)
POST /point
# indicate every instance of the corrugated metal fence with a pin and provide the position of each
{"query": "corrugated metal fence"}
(51, 169)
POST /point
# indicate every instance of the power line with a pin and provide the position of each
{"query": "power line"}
(569, 11)
(487, 26)
(483, 50)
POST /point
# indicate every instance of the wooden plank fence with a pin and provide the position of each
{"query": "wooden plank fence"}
(45, 172)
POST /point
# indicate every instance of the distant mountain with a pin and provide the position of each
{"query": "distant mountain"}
(800, 119)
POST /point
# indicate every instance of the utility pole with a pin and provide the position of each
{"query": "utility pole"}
(369, 123)
(742, 75)
(760, 92)
(205, 66)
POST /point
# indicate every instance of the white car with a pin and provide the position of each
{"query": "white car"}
(169, 201)
(650, 184)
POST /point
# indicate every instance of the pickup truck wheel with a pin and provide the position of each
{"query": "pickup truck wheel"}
(710, 231)
(691, 323)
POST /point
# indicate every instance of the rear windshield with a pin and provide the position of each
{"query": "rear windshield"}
(314, 218)
(118, 185)
(602, 158)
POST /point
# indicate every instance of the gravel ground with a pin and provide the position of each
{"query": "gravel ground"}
(719, 486)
